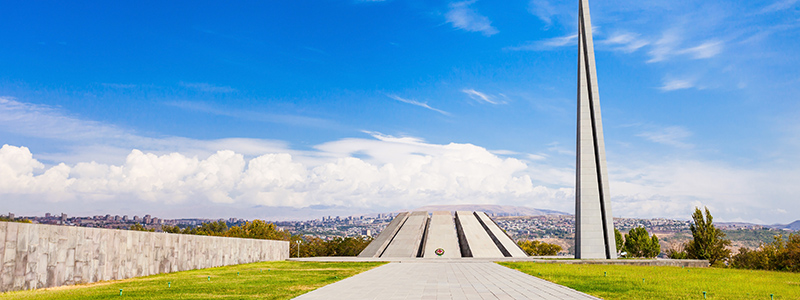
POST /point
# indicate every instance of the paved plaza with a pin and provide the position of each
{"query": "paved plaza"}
(444, 280)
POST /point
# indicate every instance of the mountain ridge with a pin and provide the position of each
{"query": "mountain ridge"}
(493, 209)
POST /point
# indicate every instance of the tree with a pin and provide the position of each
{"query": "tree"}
(779, 255)
(338, 246)
(18, 220)
(638, 243)
(170, 229)
(217, 228)
(618, 238)
(677, 253)
(789, 258)
(539, 248)
(708, 241)
(139, 227)
(749, 259)
(259, 229)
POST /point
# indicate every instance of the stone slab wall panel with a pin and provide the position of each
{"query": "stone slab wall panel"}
(34, 256)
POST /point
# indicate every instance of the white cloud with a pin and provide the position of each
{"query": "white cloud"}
(461, 16)
(707, 49)
(664, 47)
(779, 5)
(626, 42)
(673, 188)
(560, 41)
(43, 121)
(677, 84)
(86, 139)
(256, 116)
(417, 103)
(542, 9)
(396, 173)
(381, 173)
(400, 172)
(668, 46)
(548, 44)
(539, 156)
(673, 136)
(207, 87)
(481, 97)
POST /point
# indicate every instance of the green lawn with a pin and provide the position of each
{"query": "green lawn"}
(265, 280)
(625, 282)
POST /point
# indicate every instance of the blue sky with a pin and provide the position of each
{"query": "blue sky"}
(308, 108)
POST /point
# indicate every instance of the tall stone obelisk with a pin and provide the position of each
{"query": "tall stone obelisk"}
(594, 226)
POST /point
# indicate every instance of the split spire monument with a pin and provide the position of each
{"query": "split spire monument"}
(594, 226)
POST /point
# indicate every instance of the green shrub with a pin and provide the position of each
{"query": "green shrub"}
(538, 248)
(779, 255)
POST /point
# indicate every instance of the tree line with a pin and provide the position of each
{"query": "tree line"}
(708, 242)
(308, 246)
(18, 220)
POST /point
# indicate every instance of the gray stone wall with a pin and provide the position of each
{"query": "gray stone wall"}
(36, 256)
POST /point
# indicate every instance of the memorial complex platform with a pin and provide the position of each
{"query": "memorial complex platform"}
(442, 235)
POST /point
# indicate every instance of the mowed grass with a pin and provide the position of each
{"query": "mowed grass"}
(265, 280)
(625, 282)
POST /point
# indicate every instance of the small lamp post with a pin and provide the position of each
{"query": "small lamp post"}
(298, 247)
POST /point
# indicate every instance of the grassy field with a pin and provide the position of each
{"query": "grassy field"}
(641, 282)
(265, 280)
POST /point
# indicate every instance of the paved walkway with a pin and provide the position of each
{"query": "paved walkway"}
(444, 280)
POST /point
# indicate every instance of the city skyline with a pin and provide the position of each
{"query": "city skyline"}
(307, 109)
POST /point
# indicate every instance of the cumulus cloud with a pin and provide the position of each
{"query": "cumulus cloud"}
(394, 173)
(398, 172)
(380, 173)
(463, 17)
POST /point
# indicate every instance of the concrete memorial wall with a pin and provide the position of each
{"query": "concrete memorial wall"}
(36, 256)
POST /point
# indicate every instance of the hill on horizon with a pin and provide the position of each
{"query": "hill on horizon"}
(494, 210)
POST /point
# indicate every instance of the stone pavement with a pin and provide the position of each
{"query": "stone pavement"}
(443, 280)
